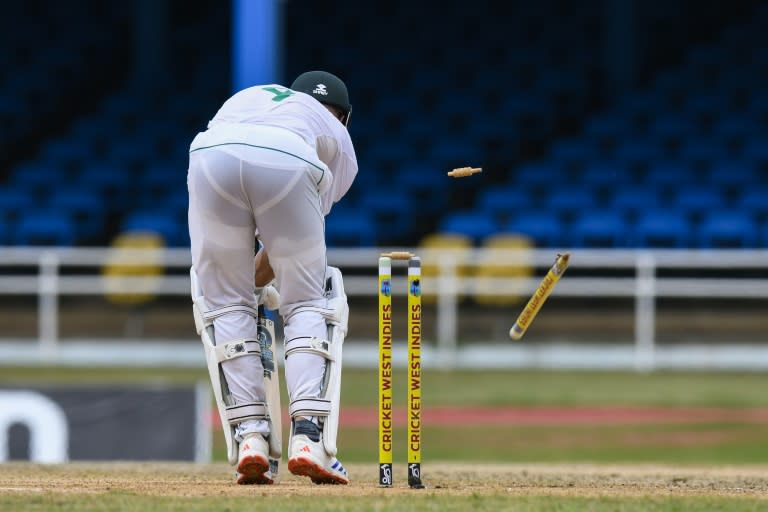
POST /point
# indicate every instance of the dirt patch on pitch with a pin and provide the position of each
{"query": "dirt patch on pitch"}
(441, 478)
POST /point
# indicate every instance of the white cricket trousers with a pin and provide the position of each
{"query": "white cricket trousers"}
(242, 179)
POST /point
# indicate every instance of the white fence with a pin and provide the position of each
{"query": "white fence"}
(63, 271)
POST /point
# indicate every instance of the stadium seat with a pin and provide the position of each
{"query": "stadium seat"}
(452, 249)
(392, 211)
(538, 174)
(495, 264)
(348, 227)
(5, 233)
(735, 128)
(566, 201)
(598, 228)
(698, 199)
(732, 176)
(117, 267)
(158, 181)
(728, 229)
(670, 173)
(755, 151)
(544, 228)
(474, 224)
(701, 151)
(426, 185)
(87, 209)
(671, 128)
(607, 129)
(502, 202)
(707, 105)
(45, 227)
(162, 223)
(14, 201)
(659, 228)
(754, 199)
(38, 178)
(109, 180)
(633, 200)
(63, 153)
(605, 175)
(573, 153)
(639, 152)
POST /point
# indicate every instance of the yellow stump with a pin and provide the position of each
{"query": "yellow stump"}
(414, 372)
(386, 422)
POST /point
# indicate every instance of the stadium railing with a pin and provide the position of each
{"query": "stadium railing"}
(641, 276)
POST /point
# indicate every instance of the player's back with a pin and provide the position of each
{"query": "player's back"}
(276, 105)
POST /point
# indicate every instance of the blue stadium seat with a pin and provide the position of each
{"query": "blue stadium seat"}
(62, 152)
(732, 175)
(712, 105)
(392, 211)
(568, 200)
(672, 127)
(162, 223)
(129, 152)
(427, 187)
(700, 151)
(475, 224)
(639, 152)
(598, 228)
(607, 128)
(671, 85)
(158, 181)
(45, 227)
(755, 151)
(638, 108)
(111, 180)
(350, 227)
(573, 153)
(177, 203)
(543, 227)
(14, 201)
(448, 154)
(755, 200)
(660, 228)
(735, 128)
(86, 207)
(5, 233)
(728, 229)
(37, 177)
(699, 199)
(670, 174)
(605, 174)
(538, 174)
(502, 202)
(635, 199)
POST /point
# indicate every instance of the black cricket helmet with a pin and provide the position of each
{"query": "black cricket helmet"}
(326, 88)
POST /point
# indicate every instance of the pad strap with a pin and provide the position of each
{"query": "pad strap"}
(330, 314)
(237, 348)
(242, 412)
(311, 344)
(212, 314)
(310, 407)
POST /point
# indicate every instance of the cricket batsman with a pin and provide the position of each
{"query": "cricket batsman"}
(272, 162)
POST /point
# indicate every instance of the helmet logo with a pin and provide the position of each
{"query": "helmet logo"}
(320, 89)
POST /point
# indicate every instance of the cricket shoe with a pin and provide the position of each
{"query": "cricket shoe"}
(253, 463)
(307, 456)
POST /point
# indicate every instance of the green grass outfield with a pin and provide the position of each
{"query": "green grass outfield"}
(722, 440)
(540, 466)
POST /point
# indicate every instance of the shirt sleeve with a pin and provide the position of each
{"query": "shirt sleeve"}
(343, 166)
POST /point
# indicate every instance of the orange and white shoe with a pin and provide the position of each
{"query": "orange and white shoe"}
(253, 462)
(307, 457)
